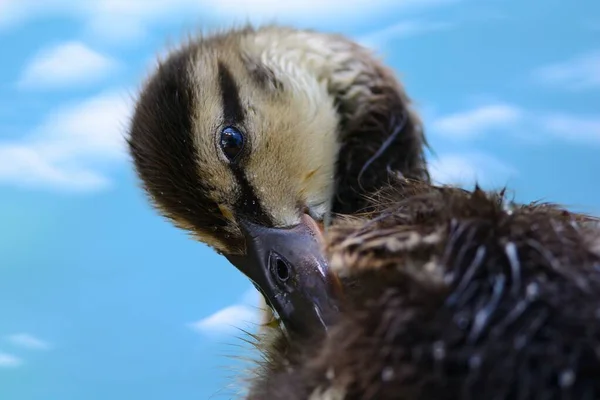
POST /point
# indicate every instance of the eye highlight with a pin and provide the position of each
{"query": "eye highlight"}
(231, 142)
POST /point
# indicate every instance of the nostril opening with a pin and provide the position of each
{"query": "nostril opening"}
(282, 270)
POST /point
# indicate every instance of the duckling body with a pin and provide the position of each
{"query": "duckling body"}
(464, 296)
(263, 129)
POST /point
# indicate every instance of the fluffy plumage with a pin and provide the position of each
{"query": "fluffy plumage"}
(462, 295)
(325, 123)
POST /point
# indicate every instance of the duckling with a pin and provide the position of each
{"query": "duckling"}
(251, 138)
(465, 295)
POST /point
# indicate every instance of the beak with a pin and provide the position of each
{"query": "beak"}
(287, 265)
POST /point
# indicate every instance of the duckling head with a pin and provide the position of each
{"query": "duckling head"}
(250, 138)
(241, 152)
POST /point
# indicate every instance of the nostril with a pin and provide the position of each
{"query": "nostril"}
(282, 270)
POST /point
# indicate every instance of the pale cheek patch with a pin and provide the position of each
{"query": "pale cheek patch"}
(306, 183)
(309, 175)
(294, 155)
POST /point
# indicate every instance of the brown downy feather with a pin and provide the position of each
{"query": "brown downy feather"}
(463, 295)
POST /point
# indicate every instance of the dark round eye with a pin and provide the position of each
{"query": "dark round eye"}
(231, 142)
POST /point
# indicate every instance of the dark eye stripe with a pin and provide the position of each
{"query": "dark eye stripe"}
(233, 112)
(248, 204)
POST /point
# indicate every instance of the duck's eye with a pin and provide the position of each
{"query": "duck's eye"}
(231, 142)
